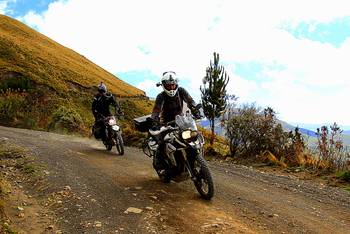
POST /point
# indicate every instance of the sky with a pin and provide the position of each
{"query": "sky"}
(290, 55)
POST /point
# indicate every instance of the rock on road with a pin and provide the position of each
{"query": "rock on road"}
(98, 191)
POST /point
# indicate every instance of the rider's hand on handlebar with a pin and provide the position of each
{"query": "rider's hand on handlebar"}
(119, 113)
(197, 115)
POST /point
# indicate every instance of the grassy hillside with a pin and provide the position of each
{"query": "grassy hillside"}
(44, 85)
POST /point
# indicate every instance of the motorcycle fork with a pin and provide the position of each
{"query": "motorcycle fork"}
(111, 132)
(188, 165)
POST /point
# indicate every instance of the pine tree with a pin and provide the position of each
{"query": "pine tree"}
(214, 98)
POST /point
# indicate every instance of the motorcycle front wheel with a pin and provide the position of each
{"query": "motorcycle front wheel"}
(108, 145)
(119, 144)
(204, 181)
(162, 173)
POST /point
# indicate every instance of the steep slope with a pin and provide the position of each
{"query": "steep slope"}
(46, 62)
(45, 85)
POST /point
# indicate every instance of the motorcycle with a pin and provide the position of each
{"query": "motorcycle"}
(113, 133)
(181, 144)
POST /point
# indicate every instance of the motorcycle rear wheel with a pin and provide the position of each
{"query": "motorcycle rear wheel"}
(204, 181)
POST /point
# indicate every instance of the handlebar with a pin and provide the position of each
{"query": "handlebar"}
(101, 116)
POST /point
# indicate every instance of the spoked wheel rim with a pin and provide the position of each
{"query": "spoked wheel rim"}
(204, 181)
(203, 185)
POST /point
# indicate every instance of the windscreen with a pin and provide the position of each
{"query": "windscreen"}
(185, 122)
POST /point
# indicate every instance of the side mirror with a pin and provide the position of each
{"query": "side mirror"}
(159, 84)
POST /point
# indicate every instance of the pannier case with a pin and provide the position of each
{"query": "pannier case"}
(143, 123)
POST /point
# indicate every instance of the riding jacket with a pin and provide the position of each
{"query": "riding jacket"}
(166, 108)
(101, 103)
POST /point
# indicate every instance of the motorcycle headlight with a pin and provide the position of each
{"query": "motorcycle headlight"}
(188, 134)
(115, 127)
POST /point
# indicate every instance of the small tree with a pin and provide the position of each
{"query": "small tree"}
(252, 131)
(330, 147)
(213, 91)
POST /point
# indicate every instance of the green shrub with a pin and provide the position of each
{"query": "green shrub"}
(12, 105)
(344, 175)
(30, 168)
(29, 123)
(66, 119)
(252, 131)
(16, 83)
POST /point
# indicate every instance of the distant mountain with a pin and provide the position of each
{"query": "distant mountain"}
(218, 129)
(286, 126)
(308, 132)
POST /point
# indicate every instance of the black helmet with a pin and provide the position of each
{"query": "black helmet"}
(102, 88)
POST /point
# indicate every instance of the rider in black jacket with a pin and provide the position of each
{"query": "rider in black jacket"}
(100, 107)
(169, 103)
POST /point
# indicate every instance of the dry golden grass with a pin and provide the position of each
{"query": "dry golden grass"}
(45, 76)
(46, 62)
(220, 148)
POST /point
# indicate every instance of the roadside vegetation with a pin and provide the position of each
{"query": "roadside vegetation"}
(13, 160)
(213, 93)
(255, 137)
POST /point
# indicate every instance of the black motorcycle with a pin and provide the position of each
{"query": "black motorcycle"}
(181, 145)
(112, 131)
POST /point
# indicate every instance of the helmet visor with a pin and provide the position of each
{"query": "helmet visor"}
(102, 88)
(170, 86)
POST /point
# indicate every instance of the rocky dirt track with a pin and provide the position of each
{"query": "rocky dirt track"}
(90, 190)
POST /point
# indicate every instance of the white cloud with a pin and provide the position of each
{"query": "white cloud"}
(149, 86)
(4, 6)
(182, 35)
(33, 19)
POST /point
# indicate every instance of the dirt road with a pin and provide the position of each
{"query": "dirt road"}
(89, 190)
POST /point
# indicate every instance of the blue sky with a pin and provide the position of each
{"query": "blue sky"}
(19, 8)
(290, 55)
(334, 32)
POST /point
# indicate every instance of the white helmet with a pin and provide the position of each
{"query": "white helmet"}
(169, 83)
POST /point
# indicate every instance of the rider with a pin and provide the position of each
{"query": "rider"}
(100, 108)
(169, 103)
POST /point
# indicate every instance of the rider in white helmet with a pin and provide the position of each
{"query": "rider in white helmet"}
(169, 103)
(169, 83)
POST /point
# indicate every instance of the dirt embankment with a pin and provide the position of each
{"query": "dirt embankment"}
(88, 190)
